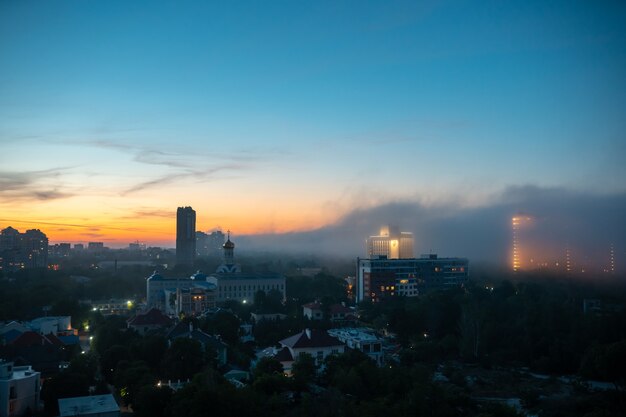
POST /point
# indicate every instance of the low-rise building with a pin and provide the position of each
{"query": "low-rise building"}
(19, 389)
(317, 343)
(336, 312)
(152, 320)
(362, 339)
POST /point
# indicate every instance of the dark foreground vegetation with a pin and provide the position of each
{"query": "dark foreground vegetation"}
(458, 352)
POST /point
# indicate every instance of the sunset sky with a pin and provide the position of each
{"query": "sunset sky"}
(282, 116)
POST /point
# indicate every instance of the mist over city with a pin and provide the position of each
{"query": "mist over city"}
(330, 208)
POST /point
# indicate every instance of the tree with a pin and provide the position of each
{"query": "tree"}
(152, 401)
(183, 359)
(303, 371)
(268, 366)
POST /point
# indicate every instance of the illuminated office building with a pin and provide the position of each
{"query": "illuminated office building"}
(391, 243)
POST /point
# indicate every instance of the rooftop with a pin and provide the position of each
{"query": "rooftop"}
(95, 404)
(310, 338)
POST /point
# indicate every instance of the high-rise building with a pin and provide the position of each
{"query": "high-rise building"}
(390, 243)
(520, 259)
(23, 250)
(185, 235)
(209, 244)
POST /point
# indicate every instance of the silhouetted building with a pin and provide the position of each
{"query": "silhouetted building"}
(60, 250)
(95, 246)
(391, 243)
(209, 244)
(23, 250)
(381, 277)
(185, 235)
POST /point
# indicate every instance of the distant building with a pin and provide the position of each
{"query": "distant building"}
(95, 246)
(209, 244)
(136, 247)
(185, 236)
(19, 389)
(381, 277)
(91, 406)
(79, 247)
(232, 284)
(391, 243)
(23, 250)
(59, 250)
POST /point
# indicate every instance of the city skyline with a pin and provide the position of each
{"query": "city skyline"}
(288, 119)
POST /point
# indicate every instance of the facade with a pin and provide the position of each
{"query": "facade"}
(232, 284)
(185, 236)
(91, 406)
(19, 389)
(23, 250)
(317, 343)
(381, 277)
(363, 339)
(176, 295)
(391, 243)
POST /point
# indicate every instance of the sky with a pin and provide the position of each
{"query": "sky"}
(283, 117)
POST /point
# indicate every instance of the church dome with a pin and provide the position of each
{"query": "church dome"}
(229, 245)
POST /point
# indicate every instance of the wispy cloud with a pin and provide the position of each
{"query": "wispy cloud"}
(39, 186)
(198, 175)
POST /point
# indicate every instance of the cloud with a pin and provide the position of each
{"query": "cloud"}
(32, 186)
(585, 222)
(200, 175)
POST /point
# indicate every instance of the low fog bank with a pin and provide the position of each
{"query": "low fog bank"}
(585, 223)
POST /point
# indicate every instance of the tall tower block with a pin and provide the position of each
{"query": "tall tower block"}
(185, 236)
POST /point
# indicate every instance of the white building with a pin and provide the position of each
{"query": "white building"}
(232, 284)
(363, 339)
(19, 389)
(317, 343)
(91, 406)
(52, 324)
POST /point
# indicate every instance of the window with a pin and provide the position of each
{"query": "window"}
(12, 393)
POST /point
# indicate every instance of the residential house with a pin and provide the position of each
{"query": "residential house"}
(150, 321)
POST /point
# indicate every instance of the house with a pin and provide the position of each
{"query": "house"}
(90, 406)
(317, 343)
(336, 312)
(205, 340)
(19, 389)
(313, 311)
(149, 321)
(45, 353)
